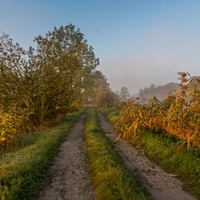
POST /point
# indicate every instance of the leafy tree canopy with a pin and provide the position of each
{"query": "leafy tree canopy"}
(49, 80)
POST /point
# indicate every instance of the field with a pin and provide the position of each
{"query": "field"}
(167, 131)
(53, 94)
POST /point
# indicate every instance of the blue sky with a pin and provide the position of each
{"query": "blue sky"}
(139, 42)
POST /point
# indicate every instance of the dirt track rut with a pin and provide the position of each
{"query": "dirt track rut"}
(161, 185)
(68, 179)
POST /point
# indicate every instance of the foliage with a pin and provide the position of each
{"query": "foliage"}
(38, 85)
(63, 65)
(9, 127)
(169, 152)
(110, 178)
(124, 94)
(177, 115)
(21, 171)
(100, 93)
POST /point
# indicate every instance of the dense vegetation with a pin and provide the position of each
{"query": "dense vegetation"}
(168, 131)
(100, 93)
(39, 85)
(21, 172)
(177, 115)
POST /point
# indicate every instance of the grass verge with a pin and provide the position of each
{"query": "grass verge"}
(110, 177)
(21, 171)
(162, 149)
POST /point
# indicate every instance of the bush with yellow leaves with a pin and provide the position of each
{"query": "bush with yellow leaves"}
(9, 128)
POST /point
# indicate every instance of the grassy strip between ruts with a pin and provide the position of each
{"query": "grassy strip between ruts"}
(109, 176)
(21, 171)
(162, 148)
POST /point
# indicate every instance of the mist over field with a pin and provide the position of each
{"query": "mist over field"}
(154, 57)
(65, 63)
(137, 74)
(138, 43)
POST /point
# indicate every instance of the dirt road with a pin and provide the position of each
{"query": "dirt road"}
(161, 185)
(68, 179)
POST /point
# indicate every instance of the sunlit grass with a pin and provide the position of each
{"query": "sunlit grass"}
(21, 172)
(110, 177)
(162, 148)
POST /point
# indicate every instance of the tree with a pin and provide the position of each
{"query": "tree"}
(124, 94)
(11, 74)
(100, 88)
(161, 92)
(100, 93)
(36, 85)
(152, 86)
(50, 80)
(63, 65)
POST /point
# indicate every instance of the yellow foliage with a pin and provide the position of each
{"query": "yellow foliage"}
(177, 115)
(9, 126)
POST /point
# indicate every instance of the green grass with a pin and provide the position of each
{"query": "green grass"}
(109, 176)
(21, 172)
(186, 164)
(162, 148)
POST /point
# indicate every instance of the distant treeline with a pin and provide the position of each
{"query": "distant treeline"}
(161, 92)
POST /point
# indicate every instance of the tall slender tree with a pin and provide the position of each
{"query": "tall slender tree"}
(124, 94)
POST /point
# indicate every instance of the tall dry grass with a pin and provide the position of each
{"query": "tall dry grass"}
(178, 115)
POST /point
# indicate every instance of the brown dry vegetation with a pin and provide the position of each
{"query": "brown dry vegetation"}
(177, 115)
